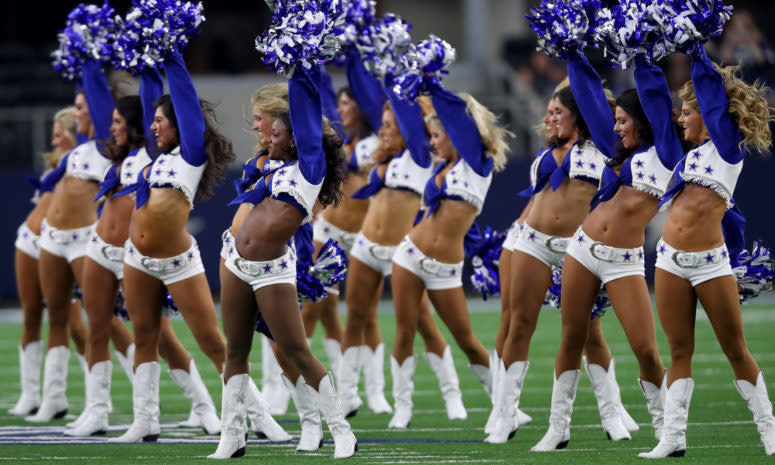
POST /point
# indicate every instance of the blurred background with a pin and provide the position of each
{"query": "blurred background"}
(496, 62)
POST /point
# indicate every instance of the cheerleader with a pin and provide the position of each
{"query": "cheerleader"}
(259, 286)
(724, 118)
(555, 210)
(471, 146)
(607, 248)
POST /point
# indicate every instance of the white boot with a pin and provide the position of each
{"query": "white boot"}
(145, 403)
(509, 390)
(127, 361)
(196, 392)
(349, 369)
(234, 429)
(311, 427)
(496, 365)
(759, 404)
(54, 403)
(29, 375)
(444, 368)
(563, 395)
(95, 418)
(374, 375)
(333, 352)
(673, 442)
(482, 373)
(608, 401)
(272, 386)
(624, 415)
(261, 421)
(345, 443)
(403, 387)
(85, 368)
(655, 402)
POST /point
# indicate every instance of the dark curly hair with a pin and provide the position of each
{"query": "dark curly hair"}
(218, 148)
(131, 109)
(565, 96)
(336, 162)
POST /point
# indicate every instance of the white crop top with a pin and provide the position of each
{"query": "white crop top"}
(704, 166)
(586, 161)
(649, 174)
(462, 181)
(403, 173)
(87, 163)
(361, 159)
(171, 169)
(290, 181)
(132, 167)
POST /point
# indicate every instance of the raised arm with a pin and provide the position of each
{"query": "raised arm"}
(461, 129)
(306, 112)
(654, 96)
(714, 107)
(151, 88)
(99, 99)
(412, 126)
(188, 111)
(328, 100)
(366, 89)
(593, 104)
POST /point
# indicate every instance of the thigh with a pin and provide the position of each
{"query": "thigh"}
(719, 298)
(450, 305)
(361, 287)
(632, 304)
(579, 291)
(504, 274)
(238, 311)
(408, 290)
(28, 284)
(56, 282)
(677, 308)
(279, 307)
(99, 294)
(192, 296)
(143, 295)
(530, 279)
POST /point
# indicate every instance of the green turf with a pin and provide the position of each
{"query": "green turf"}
(720, 429)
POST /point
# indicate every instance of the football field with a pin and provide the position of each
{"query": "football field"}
(720, 431)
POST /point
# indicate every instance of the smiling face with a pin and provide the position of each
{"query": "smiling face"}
(281, 143)
(118, 129)
(82, 116)
(625, 127)
(441, 143)
(262, 124)
(691, 121)
(389, 135)
(348, 110)
(564, 121)
(165, 133)
(551, 129)
(59, 140)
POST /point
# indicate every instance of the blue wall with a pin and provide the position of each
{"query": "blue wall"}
(754, 194)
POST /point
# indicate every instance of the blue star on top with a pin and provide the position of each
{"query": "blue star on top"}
(326, 229)
(627, 256)
(662, 249)
(281, 172)
(696, 155)
(592, 165)
(158, 172)
(652, 178)
(162, 161)
(128, 163)
(692, 166)
(465, 183)
(640, 175)
(639, 163)
(410, 250)
(292, 182)
(580, 238)
(580, 164)
(393, 175)
(227, 240)
(708, 170)
(454, 181)
(406, 176)
(86, 166)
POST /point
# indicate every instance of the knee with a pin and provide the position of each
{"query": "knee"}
(648, 357)
(521, 327)
(238, 351)
(212, 343)
(296, 353)
(735, 350)
(358, 319)
(405, 334)
(146, 331)
(681, 351)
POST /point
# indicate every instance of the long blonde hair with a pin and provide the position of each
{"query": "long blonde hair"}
(747, 105)
(271, 99)
(381, 152)
(66, 118)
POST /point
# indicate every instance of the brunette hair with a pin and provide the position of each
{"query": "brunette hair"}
(565, 96)
(364, 128)
(131, 109)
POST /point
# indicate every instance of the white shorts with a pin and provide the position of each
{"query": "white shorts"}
(167, 270)
(69, 244)
(27, 241)
(227, 248)
(377, 257)
(606, 262)
(512, 235)
(322, 231)
(695, 267)
(549, 249)
(107, 256)
(281, 270)
(435, 275)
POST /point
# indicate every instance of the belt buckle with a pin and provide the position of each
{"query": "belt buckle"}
(563, 247)
(114, 257)
(151, 264)
(247, 268)
(375, 251)
(433, 268)
(57, 237)
(608, 252)
(684, 260)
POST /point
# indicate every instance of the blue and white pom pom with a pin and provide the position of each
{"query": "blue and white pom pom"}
(426, 61)
(485, 277)
(331, 265)
(564, 27)
(630, 28)
(382, 43)
(89, 34)
(154, 27)
(119, 308)
(359, 14)
(302, 34)
(555, 291)
(308, 286)
(168, 307)
(753, 271)
(690, 23)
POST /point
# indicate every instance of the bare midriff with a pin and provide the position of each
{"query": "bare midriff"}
(621, 221)
(35, 217)
(158, 228)
(560, 212)
(72, 204)
(693, 223)
(441, 234)
(349, 214)
(264, 233)
(390, 216)
(113, 225)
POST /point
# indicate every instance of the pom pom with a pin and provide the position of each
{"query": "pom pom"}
(601, 303)
(308, 286)
(168, 307)
(359, 14)
(753, 271)
(564, 28)
(331, 265)
(421, 65)
(632, 27)
(687, 24)
(119, 309)
(262, 327)
(301, 34)
(89, 34)
(555, 290)
(382, 44)
(485, 261)
(154, 27)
